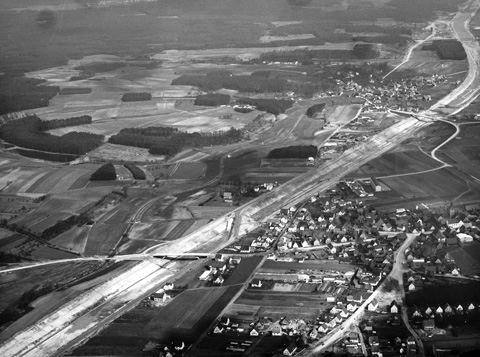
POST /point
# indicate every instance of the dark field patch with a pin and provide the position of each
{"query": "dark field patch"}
(243, 271)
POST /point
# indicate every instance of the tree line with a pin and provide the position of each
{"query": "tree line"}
(28, 133)
(212, 99)
(136, 97)
(176, 142)
(294, 152)
(105, 172)
(137, 172)
(273, 106)
(315, 109)
(63, 123)
(223, 79)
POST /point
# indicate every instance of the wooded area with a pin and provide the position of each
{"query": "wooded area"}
(294, 152)
(315, 109)
(212, 99)
(104, 173)
(273, 106)
(224, 79)
(154, 139)
(136, 97)
(447, 49)
(28, 133)
(21, 93)
(137, 173)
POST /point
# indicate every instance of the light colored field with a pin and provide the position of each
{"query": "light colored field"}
(283, 287)
(242, 311)
(242, 53)
(205, 212)
(128, 153)
(342, 114)
(189, 170)
(268, 38)
(56, 181)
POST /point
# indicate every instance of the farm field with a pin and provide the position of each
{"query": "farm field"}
(10, 240)
(279, 304)
(184, 318)
(102, 238)
(74, 239)
(439, 184)
(273, 266)
(188, 171)
(464, 151)
(243, 271)
(407, 159)
(56, 181)
(467, 258)
(47, 253)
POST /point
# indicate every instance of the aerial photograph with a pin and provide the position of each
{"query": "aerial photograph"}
(239, 178)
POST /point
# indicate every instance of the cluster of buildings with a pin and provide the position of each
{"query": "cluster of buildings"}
(217, 270)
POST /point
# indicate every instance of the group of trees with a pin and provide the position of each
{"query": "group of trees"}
(62, 123)
(223, 79)
(212, 99)
(447, 49)
(137, 173)
(294, 152)
(106, 172)
(21, 93)
(136, 97)
(28, 133)
(158, 143)
(273, 106)
(315, 109)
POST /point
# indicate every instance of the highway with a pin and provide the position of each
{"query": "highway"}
(82, 317)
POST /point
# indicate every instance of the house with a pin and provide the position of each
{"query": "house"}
(373, 306)
(219, 280)
(447, 308)
(459, 309)
(313, 333)
(394, 307)
(353, 337)
(471, 307)
(169, 286)
(428, 325)
(218, 329)
(417, 313)
(254, 332)
(290, 349)
(411, 287)
(428, 311)
(439, 310)
(323, 329)
(256, 283)
(276, 329)
(373, 340)
(351, 307)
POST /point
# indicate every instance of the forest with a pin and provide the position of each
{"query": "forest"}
(137, 173)
(294, 152)
(136, 97)
(28, 133)
(223, 79)
(63, 123)
(22, 93)
(315, 109)
(104, 173)
(212, 99)
(272, 106)
(159, 144)
(447, 49)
